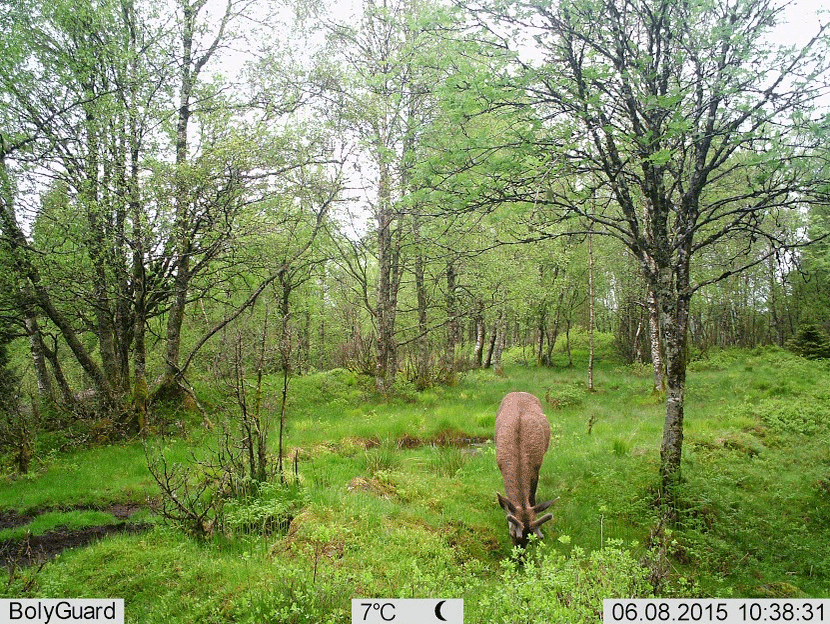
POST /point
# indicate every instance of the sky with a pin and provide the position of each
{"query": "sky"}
(803, 19)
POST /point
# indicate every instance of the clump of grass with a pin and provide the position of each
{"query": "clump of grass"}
(448, 460)
(620, 448)
(382, 458)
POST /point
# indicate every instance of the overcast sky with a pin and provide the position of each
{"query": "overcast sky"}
(803, 19)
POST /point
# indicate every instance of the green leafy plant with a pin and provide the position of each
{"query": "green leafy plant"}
(268, 508)
(562, 396)
(545, 586)
(798, 416)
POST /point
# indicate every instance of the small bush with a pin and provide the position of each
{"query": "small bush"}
(338, 389)
(791, 416)
(192, 494)
(268, 509)
(715, 360)
(563, 396)
(548, 587)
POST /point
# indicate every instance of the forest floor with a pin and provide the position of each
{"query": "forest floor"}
(397, 498)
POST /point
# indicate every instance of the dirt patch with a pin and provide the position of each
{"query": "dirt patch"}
(122, 511)
(38, 548)
(445, 437)
(12, 519)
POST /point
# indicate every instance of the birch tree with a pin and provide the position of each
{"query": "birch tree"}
(384, 94)
(199, 44)
(131, 214)
(688, 122)
(76, 101)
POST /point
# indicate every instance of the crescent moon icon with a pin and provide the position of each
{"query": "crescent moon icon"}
(438, 611)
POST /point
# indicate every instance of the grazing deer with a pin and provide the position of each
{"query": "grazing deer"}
(522, 437)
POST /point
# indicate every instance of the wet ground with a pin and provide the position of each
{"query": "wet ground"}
(35, 549)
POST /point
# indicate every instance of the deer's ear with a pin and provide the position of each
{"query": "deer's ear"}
(506, 504)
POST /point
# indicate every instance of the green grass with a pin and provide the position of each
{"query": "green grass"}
(86, 477)
(756, 470)
(380, 520)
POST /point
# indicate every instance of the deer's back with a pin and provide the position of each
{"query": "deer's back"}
(522, 436)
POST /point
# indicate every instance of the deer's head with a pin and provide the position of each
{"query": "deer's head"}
(522, 521)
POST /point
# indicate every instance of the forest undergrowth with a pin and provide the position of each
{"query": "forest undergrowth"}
(397, 498)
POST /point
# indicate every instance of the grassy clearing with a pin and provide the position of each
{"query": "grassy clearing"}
(85, 478)
(376, 519)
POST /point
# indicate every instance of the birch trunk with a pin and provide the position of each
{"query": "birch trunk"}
(591, 319)
(182, 236)
(672, 294)
(478, 350)
(452, 323)
(386, 362)
(657, 363)
(181, 228)
(422, 380)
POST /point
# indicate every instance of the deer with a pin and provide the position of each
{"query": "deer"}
(522, 438)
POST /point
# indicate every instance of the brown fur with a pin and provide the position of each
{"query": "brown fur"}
(522, 438)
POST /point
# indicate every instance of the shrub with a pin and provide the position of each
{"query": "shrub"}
(548, 587)
(338, 388)
(717, 359)
(269, 508)
(192, 494)
(561, 396)
(804, 417)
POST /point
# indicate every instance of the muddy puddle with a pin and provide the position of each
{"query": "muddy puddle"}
(35, 549)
